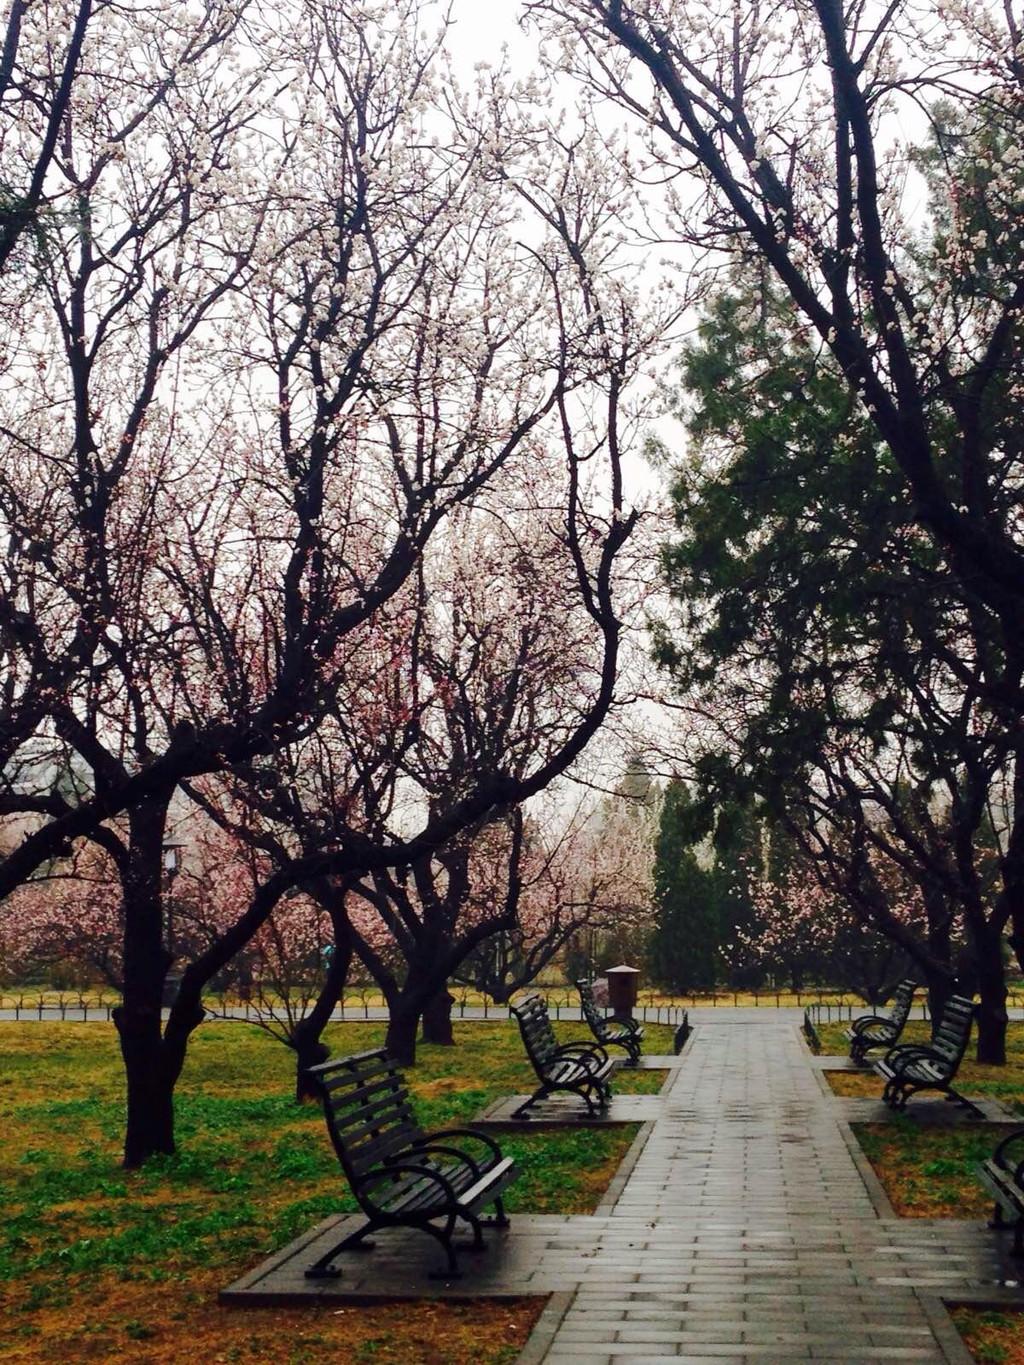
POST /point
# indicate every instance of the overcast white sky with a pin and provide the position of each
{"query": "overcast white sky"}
(480, 28)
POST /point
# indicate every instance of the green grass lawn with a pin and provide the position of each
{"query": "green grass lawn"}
(252, 1171)
(930, 1172)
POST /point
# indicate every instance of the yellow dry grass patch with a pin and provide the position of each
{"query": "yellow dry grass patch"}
(854, 1085)
(142, 1323)
(445, 1085)
(929, 1173)
(992, 1338)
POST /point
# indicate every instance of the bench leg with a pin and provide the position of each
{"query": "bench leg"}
(540, 1093)
(969, 1105)
(323, 1270)
(500, 1218)
(478, 1233)
(444, 1236)
(998, 1222)
(596, 1095)
(584, 1093)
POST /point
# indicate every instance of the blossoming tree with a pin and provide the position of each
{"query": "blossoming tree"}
(282, 327)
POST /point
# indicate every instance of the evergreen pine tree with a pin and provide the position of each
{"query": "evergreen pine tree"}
(683, 948)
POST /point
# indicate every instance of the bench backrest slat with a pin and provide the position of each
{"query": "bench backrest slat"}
(902, 999)
(368, 1151)
(591, 1013)
(355, 1096)
(368, 1112)
(537, 1034)
(953, 1031)
(378, 1116)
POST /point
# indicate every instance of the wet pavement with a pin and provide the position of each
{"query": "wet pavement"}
(745, 1226)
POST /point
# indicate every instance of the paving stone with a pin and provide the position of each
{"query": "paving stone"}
(745, 1227)
(747, 1137)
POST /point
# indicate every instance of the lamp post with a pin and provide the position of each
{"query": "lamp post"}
(171, 867)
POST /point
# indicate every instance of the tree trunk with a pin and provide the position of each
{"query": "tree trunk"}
(149, 1083)
(150, 1099)
(310, 1050)
(437, 1019)
(991, 1014)
(403, 1018)
(940, 987)
(939, 975)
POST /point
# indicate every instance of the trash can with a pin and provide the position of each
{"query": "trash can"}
(622, 987)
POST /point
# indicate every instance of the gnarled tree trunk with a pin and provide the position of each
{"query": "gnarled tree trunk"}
(310, 1049)
(437, 1019)
(403, 1020)
(991, 1012)
(150, 1089)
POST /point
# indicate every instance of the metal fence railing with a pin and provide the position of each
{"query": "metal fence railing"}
(828, 1012)
(820, 1006)
(98, 1006)
(825, 1012)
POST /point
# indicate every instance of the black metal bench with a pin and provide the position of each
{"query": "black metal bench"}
(870, 1031)
(400, 1175)
(624, 1033)
(581, 1068)
(1003, 1175)
(909, 1067)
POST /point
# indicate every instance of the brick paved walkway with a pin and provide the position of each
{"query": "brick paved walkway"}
(753, 1231)
(749, 1228)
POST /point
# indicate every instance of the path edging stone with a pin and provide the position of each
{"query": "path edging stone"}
(544, 1329)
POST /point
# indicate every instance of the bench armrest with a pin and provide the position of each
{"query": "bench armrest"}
(592, 1051)
(441, 1149)
(1007, 1163)
(867, 1021)
(485, 1138)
